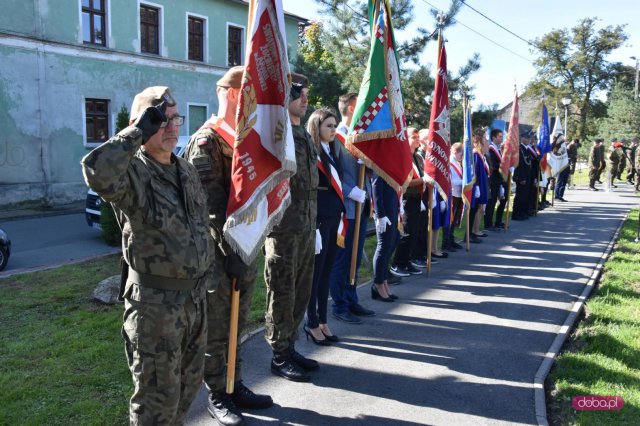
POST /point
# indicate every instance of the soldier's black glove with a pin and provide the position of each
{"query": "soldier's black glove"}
(234, 266)
(150, 121)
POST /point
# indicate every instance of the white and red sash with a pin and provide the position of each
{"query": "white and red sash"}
(533, 151)
(218, 125)
(496, 151)
(484, 162)
(456, 166)
(336, 184)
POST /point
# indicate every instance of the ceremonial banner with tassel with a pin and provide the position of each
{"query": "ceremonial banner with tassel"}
(264, 155)
(558, 160)
(436, 163)
(468, 168)
(511, 153)
(378, 134)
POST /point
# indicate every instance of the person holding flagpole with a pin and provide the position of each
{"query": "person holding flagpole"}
(330, 213)
(457, 153)
(496, 183)
(210, 150)
(481, 186)
(290, 249)
(346, 306)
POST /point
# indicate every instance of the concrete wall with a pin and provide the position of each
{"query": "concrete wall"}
(46, 73)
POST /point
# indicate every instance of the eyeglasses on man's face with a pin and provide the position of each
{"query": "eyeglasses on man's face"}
(176, 120)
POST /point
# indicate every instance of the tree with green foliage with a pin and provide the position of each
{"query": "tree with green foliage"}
(623, 115)
(572, 62)
(110, 230)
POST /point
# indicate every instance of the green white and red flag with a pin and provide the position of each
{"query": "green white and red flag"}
(378, 133)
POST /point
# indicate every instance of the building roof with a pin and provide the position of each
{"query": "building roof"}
(286, 14)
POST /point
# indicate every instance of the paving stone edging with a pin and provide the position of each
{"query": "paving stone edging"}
(567, 327)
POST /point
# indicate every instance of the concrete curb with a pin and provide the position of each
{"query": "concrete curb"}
(549, 358)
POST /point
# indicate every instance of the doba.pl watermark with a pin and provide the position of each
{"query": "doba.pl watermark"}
(594, 402)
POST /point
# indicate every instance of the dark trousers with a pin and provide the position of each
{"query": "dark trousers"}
(411, 227)
(343, 293)
(522, 200)
(317, 309)
(494, 195)
(561, 184)
(384, 249)
(420, 248)
(456, 210)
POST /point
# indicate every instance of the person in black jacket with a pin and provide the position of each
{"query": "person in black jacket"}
(322, 126)
(497, 187)
(522, 178)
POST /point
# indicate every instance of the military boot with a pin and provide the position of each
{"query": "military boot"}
(222, 408)
(306, 363)
(283, 365)
(244, 397)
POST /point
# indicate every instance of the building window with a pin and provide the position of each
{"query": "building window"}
(196, 38)
(93, 22)
(235, 46)
(197, 116)
(97, 119)
(149, 29)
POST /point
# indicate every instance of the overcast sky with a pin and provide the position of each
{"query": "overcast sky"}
(501, 68)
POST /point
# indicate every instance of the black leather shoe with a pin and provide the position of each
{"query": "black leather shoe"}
(347, 317)
(375, 295)
(244, 397)
(306, 363)
(222, 408)
(360, 310)
(456, 245)
(282, 365)
(393, 280)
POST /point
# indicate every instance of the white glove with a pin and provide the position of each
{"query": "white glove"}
(401, 208)
(477, 192)
(357, 195)
(360, 161)
(423, 208)
(318, 242)
(511, 169)
(501, 192)
(381, 224)
(443, 206)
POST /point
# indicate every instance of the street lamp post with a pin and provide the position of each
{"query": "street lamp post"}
(566, 102)
(637, 76)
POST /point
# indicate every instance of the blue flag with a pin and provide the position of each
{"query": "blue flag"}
(468, 169)
(544, 138)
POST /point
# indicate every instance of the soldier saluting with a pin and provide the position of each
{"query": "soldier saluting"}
(160, 204)
(596, 161)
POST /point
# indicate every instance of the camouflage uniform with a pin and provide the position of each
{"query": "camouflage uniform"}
(613, 159)
(595, 164)
(162, 210)
(211, 156)
(290, 249)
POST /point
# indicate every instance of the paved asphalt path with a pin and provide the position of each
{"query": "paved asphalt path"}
(42, 242)
(459, 348)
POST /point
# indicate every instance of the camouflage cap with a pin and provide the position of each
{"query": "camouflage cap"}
(232, 78)
(298, 82)
(151, 96)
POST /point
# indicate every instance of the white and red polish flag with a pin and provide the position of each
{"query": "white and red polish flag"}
(264, 155)
(437, 171)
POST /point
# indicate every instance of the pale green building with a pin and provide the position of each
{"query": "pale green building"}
(67, 66)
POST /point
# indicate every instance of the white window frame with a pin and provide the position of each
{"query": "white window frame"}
(226, 45)
(161, 48)
(110, 114)
(199, 104)
(205, 44)
(107, 16)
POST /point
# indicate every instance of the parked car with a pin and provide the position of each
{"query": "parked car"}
(5, 249)
(93, 200)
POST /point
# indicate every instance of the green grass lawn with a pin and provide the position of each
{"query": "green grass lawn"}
(603, 355)
(62, 356)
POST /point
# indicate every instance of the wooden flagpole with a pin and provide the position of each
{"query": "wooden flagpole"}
(235, 292)
(356, 231)
(553, 190)
(508, 194)
(537, 192)
(467, 227)
(429, 225)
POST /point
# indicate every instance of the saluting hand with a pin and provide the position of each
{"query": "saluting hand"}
(150, 121)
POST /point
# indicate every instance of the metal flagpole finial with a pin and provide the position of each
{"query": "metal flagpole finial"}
(441, 17)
